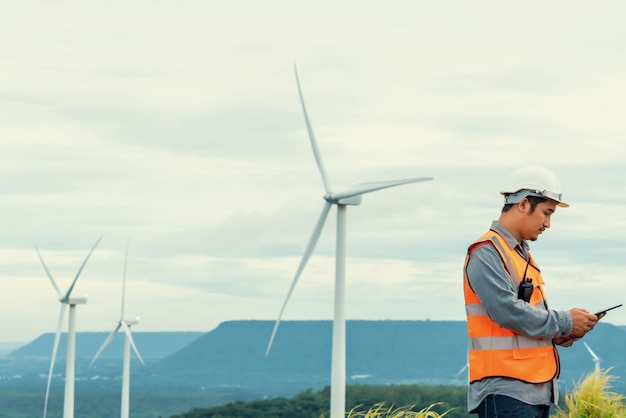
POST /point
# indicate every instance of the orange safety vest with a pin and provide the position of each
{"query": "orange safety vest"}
(495, 351)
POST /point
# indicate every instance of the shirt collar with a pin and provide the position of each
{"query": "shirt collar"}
(521, 247)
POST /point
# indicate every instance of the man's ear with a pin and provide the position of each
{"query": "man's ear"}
(523, 204)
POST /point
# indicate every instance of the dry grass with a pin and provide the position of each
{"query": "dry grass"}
(592, 398)
(381, 411)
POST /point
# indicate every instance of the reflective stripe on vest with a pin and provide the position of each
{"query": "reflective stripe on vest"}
(498, 351)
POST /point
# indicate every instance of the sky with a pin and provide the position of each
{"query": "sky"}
(175, 128)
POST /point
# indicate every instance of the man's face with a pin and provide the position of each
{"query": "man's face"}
(539, 220)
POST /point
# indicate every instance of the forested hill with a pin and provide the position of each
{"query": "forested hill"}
(378, 352)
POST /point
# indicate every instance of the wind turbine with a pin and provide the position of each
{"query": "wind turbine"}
(341, 199)
(66, 299)
(466, 367)
(596, 359)
(124, 324)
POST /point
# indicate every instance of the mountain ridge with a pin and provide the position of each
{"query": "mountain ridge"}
(379, 352)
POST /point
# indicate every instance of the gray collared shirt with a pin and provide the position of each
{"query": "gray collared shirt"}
(498, 295)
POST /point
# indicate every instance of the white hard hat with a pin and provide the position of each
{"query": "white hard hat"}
(533, 181)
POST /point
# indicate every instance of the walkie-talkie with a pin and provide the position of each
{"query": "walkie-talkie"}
(525, 290)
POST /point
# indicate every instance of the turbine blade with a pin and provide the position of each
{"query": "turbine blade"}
(54, 283)
(305, 258)
(124, 280)
(460, 371)
(363, 188)
(105, 344)
(69, 291)
(593, 355)
(55, 347)
(316, 151)
(129, 335)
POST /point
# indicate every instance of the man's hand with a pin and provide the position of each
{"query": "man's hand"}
(565, 341)
(582, 322)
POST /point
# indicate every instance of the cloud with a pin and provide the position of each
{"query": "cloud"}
(185, 132)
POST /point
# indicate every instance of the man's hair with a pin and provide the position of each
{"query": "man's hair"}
(533, 200)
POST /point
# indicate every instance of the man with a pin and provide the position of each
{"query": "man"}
(513, 360)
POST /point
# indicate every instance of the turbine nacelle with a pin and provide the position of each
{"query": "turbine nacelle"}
(352, 200)
(79, 300)
(131, 322)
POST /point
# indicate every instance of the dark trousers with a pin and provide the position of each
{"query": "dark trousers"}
(500, 406)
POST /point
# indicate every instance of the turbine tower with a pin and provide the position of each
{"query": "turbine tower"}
(596, 359)
(124, 324)
(66, 299)
(341, 199)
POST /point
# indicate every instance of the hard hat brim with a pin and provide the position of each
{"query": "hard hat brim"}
(517, 196)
